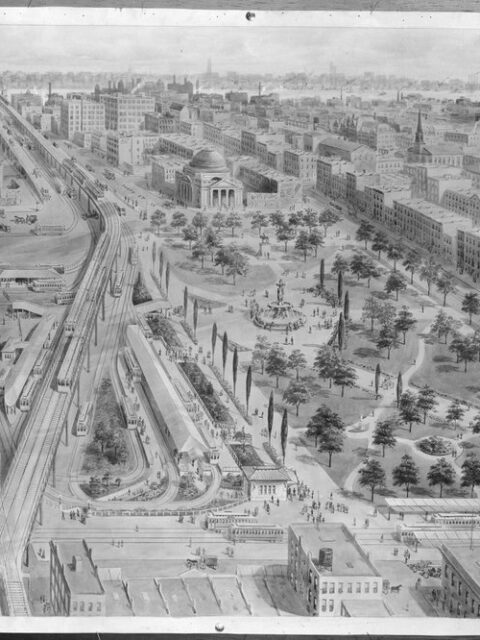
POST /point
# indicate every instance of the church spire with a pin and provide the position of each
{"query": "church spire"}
(419, 134)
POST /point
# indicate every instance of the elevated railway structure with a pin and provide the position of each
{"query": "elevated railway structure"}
(35, 454)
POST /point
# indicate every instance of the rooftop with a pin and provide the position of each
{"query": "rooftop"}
(348, 558)
(273, 474)
(466, 559)
(208, 161)
(83, 578)
(173, 411)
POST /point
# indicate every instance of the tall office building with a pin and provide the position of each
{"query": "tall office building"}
(126, 112)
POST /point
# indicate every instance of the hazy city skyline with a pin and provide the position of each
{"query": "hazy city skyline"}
(408, 52)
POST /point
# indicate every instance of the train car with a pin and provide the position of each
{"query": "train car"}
(145, 327)
(26, 396)
(65, 297)
(456, 520)
(133, 255)
(132, 364)
(70, 365)
(223, 521)
(256, 533)
(118, 284)
(84, 416)
(129, 412)
(39, 366)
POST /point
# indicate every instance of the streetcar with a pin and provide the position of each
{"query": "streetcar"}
(256, 533)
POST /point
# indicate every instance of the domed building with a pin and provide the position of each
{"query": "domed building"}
(206, 183)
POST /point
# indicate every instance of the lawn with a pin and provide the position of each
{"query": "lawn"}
(355, 403)
(440, 370)
(392, 459)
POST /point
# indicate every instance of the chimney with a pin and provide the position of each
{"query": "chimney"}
(77, 564)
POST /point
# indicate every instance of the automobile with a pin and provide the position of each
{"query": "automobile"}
(88, 167)
(55, 144)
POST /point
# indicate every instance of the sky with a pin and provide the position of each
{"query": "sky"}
(413, 52)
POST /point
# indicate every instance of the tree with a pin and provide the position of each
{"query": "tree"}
(237, 266)
(218, 222)
(102, 436)
(409, 412)
(212, 241)
(406, 473)
(214, 340)
(341, 331)
(233, 221)
(223, 257)
(340, 264)
(468, 352)
(325, 362)
(372, 475)
(346, 306)
(344, 375)
(160, 266)
(235, 369)
(167, 277)
(248, 386)
(471, 472)
(475, 424)
(199, 251)
(95, 486)
(285, 233)
(296, 393)
(323, 419)
(295, 219)
(378, 373)
(185, 302)
(370, 271)
(199, 222)
(395, 282)
(179, 220)
(302, 243)
(270, 414)
(195, 317)
(277, 219)
(429, 272)
(365, 232)
(455, 412)
(380, 242)
(284, 434)
(297, 361)
(412, 262)
(387, 339)
(189, 234)
(399, 388)
(310, 219)
(154, 252)
(371, 310)
(445, 285)
(260, 350)
(322, 273)
(441, 473)
(259, 220)
(386, 313)
(316, 240)
(426, 401)
(383, 435)
(404, 321)
(331, 441)
(276, 364)
(394, 253)
(224, 351)
(357, 265)
(328, 218)
(340, 286)
(443, 324)
(471, 305)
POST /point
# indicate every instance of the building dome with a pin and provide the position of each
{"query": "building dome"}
(207, 161)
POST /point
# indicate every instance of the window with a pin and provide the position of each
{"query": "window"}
(330, 605)
(324, 587)
(349, 587)
(340, 587)
(324, 605)
(367, 587)
(375, 587)
(82, 606)
(90, 606)
(358, 587)
(74, 605)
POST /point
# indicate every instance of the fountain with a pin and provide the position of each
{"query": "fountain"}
(279, 315)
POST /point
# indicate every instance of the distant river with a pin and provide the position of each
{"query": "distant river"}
(272, 5)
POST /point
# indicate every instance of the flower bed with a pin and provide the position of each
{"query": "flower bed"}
(435, 446)
(205, 390)
(229, 391)
(161, 328)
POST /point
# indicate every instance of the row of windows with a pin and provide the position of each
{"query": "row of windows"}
(85, 606)
(267, 489)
